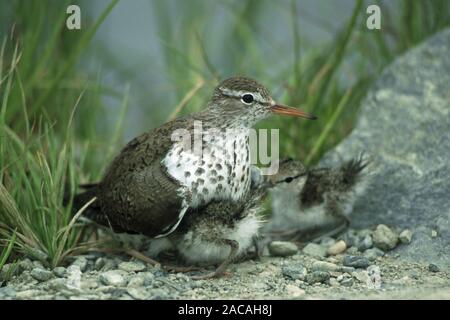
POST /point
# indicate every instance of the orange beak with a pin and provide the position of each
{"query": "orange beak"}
(289, 111)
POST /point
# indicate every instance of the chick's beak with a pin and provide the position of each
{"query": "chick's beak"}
(289, 111)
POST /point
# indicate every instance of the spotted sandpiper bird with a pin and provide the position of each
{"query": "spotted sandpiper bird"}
(156, 178)
(317, 203)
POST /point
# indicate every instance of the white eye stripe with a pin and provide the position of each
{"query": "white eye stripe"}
(239, 93)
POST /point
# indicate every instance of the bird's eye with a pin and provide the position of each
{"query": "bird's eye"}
(288, 179)
(247, 98)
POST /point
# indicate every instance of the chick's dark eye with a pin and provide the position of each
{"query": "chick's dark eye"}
(247, 98)
(288, 180)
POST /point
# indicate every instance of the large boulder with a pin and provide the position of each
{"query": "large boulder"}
(404, 124)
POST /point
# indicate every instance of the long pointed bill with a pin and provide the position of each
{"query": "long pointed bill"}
(289, 111)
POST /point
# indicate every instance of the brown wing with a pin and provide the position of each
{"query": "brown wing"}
(136, 193)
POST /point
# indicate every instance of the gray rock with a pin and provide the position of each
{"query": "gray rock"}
(131, 266)
(112, 278)
(149, 278)
(329, 266)
(350, 238)
(159, 294)
(81, 262)
(318, 277)
(347, 282)
(7, 292)
(405, 236)
(99, 263)
(28, 294)
(298, 272)
(356, 261)
(365, 243)
(25, 265)
(138, 293)
(404, 125)
(385, 238)
(60, 272)
(108, 264)
(41, 274)
(433, 268)
(282, 248)
(373, 253)
(315, 250)
(58, 284)
(324, 266)
(137, 281)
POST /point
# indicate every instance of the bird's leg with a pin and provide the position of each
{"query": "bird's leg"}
(140, 256)
(183, 269)
(258, 250)
(234, 246)
(253, 255)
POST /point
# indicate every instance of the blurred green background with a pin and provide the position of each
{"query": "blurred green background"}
(70, 99)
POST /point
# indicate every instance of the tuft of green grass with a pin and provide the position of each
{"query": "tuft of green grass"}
(6, 251)
(42, 155)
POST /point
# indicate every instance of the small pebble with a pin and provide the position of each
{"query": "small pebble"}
(356, 261)
(294, 273)
(82, 263)
(405, 236)
(334, 282)
(365, 243)
(60, 272)
(25, 265)
(373, 253)
(347, 282)
(384, 238)
(350, 238)
(318, 277)
(131, 266)
(135, 282)
(337, 248)
(137, 293)
(324, 266)
(314, 249)
(112, 278)
(99, 263)
(41, 274)
(282, 248)
(433, 268)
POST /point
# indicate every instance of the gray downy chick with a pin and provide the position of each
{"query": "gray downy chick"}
(317, 203)
(220, 232)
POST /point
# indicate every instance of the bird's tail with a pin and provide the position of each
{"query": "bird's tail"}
(92, 212)
(352, 170)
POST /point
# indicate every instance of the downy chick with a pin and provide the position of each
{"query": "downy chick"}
(317, 203)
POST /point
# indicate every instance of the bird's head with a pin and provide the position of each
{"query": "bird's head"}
(290, 172)
(250, 101)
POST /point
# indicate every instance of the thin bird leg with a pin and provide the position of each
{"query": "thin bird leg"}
(253, 255)
(138, 255)
(220, 271)
(183, 269)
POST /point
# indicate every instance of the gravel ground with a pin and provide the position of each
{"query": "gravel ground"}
(349, 267)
